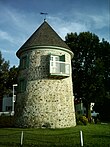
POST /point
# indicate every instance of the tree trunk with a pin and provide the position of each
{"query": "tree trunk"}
(88, 112)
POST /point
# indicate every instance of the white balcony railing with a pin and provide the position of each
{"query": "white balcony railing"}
(59, 68)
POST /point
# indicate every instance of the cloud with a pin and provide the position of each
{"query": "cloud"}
(7, 51)
(62, 27)
(15, 25)
(10, 55)
(80, 22)
(5, 36)
(93, 21)
(71, 27)
(11, 39)
(96, 23)
(22, 24)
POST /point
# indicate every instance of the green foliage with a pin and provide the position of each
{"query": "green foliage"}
(8, 77)
(4, 68)
(81, 120)
(13, 73)
(91, 67)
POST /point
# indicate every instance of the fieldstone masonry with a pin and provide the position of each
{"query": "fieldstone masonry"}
(47, 102)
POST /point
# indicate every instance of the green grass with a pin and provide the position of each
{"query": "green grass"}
(94, 136)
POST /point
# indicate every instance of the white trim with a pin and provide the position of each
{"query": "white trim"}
(56, 69)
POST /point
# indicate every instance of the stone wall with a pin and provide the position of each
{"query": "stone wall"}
(47, 102)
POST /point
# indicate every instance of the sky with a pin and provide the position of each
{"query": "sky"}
(20, 18)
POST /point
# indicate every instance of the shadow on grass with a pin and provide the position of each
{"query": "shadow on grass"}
(9, 144)
(101, 136)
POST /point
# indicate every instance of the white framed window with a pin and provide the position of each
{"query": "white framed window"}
(58, 66)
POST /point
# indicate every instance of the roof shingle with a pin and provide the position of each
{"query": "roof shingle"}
(43, 36)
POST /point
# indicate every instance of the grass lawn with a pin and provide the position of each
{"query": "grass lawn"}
(94, 136)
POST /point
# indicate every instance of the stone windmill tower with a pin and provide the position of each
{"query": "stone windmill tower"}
(45, 96)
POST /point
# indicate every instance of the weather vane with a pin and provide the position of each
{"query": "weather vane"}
(45, 14)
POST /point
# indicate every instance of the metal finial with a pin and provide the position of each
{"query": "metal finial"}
(45, 14)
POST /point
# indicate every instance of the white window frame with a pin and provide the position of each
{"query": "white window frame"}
(59, 67)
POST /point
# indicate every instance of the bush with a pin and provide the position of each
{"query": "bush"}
(6, 121)
(81, 120)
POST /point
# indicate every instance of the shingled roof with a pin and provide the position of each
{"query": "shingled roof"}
(43, 36)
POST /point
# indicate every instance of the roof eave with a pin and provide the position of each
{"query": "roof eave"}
(20, 51)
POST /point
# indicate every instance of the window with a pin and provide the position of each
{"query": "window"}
(58, 66)
(22, 85)
(62, 58)
(8, 108)
(24, 62)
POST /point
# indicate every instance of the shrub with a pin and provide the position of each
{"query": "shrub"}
(81, 120)
(6, 121)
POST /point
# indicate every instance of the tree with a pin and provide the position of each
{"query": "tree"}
(12, 79)
(105, 48)
(103, 105)
(88, 67)
(4, 68)
(8, 77)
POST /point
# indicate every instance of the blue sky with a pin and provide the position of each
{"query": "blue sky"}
(20, 18)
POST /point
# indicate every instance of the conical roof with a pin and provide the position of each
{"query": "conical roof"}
(43, 36)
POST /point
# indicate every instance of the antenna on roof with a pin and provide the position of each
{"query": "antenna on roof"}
(45, 14)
